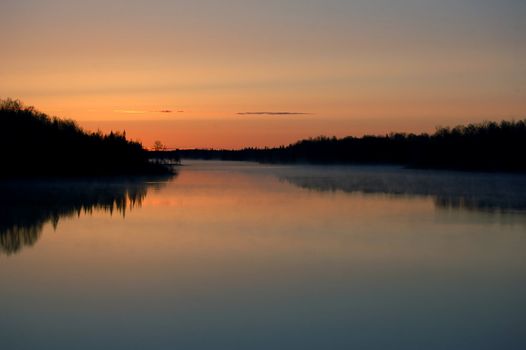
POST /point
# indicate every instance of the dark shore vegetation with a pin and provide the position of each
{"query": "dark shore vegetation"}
(34, 144)
(488, 146)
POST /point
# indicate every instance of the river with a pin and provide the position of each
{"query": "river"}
(234, 255)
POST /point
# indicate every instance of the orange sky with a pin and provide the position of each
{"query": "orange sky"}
(181, 71)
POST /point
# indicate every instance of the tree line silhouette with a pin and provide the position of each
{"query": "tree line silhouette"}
(34, 144)
(487, 146)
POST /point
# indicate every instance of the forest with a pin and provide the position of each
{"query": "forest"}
(487, 146)
(35, 144)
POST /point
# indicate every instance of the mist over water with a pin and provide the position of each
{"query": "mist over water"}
(242, 255)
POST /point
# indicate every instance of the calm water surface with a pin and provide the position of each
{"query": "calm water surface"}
(246, 256)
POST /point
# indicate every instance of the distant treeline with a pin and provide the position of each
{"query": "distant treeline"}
(487, 146)
(34, 144)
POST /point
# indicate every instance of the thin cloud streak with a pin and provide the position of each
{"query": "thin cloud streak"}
(129, 111)
(273, 113)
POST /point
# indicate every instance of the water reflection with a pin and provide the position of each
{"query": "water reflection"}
(449, 190)
(26, 206)
(230, 257)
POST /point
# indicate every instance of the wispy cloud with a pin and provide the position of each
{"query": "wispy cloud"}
(273, 113)
(129, 111)
(132, 111)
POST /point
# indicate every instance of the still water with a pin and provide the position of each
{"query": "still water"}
(230, 255)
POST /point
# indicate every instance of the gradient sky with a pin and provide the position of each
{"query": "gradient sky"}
(182, 71)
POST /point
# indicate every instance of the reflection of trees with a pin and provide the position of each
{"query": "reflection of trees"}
(488, 192)
(25, 206)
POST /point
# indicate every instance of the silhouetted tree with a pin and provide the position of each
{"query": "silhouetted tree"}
(32, 143)
(487, 146)
(159, 146)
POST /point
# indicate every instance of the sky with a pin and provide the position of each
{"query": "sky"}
(236, 73)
